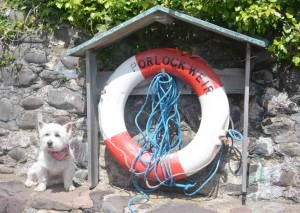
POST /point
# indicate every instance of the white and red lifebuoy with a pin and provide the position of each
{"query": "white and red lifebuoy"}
(204, 82)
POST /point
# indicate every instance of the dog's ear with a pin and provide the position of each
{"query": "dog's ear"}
(41, 124)
(68, 128)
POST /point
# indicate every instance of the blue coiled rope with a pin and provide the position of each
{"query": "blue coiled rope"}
(235, 135)
(164, 91)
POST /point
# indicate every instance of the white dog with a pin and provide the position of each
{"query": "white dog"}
(55, 162)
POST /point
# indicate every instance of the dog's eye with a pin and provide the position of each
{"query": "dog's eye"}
(57, 135)
(47, 134)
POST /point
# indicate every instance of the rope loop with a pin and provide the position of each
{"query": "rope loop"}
(235, 135)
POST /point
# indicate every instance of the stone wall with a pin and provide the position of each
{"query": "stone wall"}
(41, 81)
(44, 81)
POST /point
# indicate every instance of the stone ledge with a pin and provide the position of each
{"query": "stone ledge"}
(15, 197)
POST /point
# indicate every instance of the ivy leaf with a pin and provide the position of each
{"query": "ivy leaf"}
(59, 5)
(101, 27)
(296, 60)
(71, 18)
(76, 2)
(289, 38)
(107, 5)
(289, 16)
(282, 48)
(95, 15)
(238, 8)
(287, 28)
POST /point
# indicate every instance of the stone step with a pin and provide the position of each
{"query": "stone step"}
(16, 198)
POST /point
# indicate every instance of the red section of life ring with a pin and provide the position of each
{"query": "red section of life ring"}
(125, 143)
(191, 69)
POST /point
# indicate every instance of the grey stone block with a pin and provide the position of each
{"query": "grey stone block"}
(37, 56)
(289, 149)
(115, 204)
(279, 128)
(27, 120)
(67, 73)
(10, 125)
(18, 154)
(296, 117)
(32, 102)
(70, 62)
(97, 198)
(179, 208)
(288, 178)
(5, 170)
(63, 98)
(49, 75)
(13, 196)
(26, 77)
(5, 109)
(262, 147)
(36, 68)
(6, 76)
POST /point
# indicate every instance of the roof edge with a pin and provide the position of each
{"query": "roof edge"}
(76, 51)
(146, 18)
(214, 28)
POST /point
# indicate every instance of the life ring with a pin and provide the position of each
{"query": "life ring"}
(204, 82)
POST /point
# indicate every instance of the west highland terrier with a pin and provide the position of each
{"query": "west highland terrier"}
(55, 162)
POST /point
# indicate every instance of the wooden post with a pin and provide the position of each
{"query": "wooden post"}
(245, 128)
(92, 121)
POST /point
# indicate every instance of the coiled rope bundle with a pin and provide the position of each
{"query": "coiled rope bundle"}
(164, 92)
(163, 136)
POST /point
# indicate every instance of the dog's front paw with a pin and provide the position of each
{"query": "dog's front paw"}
(70, 188)
(29, 183)
(40, 188)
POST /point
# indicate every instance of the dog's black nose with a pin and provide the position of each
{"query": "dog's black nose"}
(50, 143)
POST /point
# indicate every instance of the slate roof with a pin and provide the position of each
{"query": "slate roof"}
(160, 14)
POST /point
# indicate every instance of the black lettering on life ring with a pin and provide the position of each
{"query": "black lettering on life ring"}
(200, 77)
(205, 83)
(209, 89)
(193, 71)
(155, 61)
(142, 64)
(173, 62)
(133, 65)
(166, 60)
(180, 65)
(149, 61)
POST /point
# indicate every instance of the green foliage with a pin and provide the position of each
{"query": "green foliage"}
(36, 15)
(8, 32)
(40, 14)
(7, 28)
(276, 20)
(287, 45)
(6, 58)
(99, 15)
